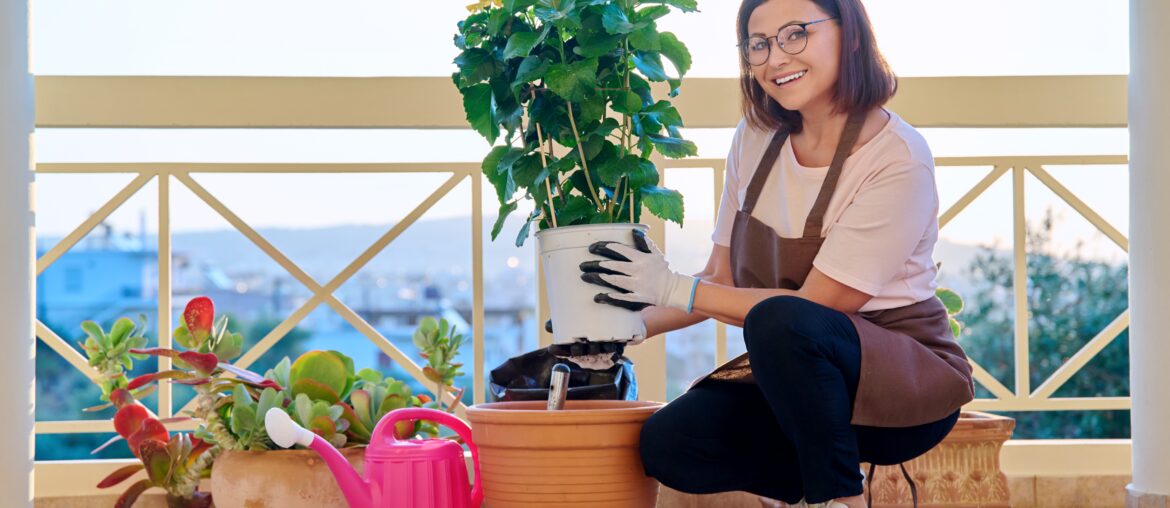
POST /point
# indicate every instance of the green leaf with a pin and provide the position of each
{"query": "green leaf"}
(514, 6)
(650, 65)
(480, 108)
(574, 209)
(626, 102)
(531, 69)
(682, 5)
(652, 13)
(523, 235)
(269, 398)
(497, 20)
(950, 299)
(956, 328)
(502, 181)
(664, 113)
(477, 65)
(505, 210)
(593, 40)
(642, 173)
(558, 11)
(664, 203)
(675, 148)
(646, 38)
(521, 43)
(614, 18)
(573, 81)
(676, 52)
(243, 420)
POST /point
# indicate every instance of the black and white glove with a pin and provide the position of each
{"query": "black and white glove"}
(640, 276)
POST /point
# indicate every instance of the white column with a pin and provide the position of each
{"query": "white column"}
(16, 256)
(1149, 184)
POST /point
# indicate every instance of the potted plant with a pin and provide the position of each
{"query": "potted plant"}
(319, 390)
(565, 87)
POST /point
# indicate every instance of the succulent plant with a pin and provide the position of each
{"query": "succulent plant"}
(439, 345)
(174, 463)
(322, 418)
(201, 332)
(109, 353)
(322, 375)
(373, 398)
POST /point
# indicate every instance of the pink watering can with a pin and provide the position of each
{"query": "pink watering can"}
(412, 473)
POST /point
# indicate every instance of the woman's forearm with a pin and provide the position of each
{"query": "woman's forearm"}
(730, 304)
(664, 319)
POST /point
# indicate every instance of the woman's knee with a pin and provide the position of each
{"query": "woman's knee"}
(660, 449)
(780, 325)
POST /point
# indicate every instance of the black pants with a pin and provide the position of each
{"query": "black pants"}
(788, 436)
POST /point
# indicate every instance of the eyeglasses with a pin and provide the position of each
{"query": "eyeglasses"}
(792, 39)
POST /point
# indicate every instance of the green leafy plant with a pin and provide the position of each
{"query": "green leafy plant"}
(439, 344)
(544, 74)
(319, 390)
(376, 396)
(174, 463)
(954, 304)
(109, 353)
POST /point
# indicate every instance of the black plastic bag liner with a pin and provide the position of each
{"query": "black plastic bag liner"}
(527, 377)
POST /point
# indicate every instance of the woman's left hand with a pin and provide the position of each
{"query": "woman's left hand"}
(642, 277)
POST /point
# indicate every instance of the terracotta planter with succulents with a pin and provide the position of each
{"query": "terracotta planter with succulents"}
(962, 471)
(278, 479)
(583, 456)
(320, 391)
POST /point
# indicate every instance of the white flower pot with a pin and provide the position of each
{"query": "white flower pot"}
(575, 315)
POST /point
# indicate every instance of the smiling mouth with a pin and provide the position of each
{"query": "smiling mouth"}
(789, 79)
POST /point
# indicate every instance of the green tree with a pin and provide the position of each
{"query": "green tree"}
(1070, 300)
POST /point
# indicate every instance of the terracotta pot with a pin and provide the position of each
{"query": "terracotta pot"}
(583, 456)
(963, 470)
(278, 479)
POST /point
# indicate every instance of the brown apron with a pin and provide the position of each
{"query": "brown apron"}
(912, 370)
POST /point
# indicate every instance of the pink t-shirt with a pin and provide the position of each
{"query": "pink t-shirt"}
(881, 224)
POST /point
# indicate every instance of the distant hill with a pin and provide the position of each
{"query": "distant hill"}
(437, 245)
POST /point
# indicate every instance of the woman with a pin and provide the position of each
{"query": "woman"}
(823, 254)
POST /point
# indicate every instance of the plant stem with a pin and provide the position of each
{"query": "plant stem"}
(581, 152)
(547, 186)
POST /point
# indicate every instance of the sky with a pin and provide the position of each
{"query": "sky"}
(400, 38)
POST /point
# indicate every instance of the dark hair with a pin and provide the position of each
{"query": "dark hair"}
(865, 80)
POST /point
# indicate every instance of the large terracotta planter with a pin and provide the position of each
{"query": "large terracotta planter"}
(962, 471)
(583, 456)
(278, 479)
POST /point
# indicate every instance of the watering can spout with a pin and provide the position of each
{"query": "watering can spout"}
(285, 433)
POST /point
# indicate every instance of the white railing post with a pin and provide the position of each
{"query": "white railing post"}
(1149, 127)
(17, 442)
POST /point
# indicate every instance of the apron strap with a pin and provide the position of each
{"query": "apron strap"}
(816, 217)
(764, 169)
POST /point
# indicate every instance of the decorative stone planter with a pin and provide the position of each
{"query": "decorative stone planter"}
(278, 479)
(583, 456)
(962, 471)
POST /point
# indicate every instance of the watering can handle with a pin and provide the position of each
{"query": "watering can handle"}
(386, 426)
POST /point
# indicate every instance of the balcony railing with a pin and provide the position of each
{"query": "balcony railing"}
(80, 102)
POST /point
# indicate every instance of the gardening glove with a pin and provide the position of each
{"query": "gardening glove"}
(641, 276)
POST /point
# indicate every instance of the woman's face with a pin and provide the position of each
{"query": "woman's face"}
(820, 60)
